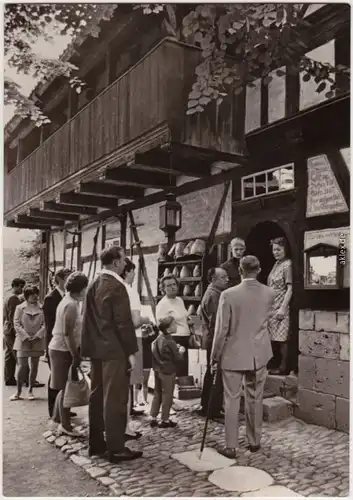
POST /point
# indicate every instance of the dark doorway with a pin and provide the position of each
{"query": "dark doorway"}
(258, 243)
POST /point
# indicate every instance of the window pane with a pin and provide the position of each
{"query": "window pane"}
(273, 181)
(308, 95)
(248, 187)
(287, 178)
(277, 97)
(253, 107)
(260, 184)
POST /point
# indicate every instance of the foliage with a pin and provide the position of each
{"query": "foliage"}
(24, 24)
(243, 42)
(22, 262)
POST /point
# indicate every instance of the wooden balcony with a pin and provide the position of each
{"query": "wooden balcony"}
(152, 95)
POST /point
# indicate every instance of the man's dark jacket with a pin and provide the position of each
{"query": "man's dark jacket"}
(108, 331)
(209, 307)
(8, 314)
(232, 268)
(50, 305)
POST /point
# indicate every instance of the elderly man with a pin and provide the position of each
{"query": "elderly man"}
(242, 349)
(109, 340)
(218, 281)
(238, 248)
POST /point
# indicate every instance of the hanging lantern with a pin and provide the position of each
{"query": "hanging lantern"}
(170, 215)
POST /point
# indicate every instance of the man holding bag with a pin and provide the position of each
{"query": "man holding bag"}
(109, 340)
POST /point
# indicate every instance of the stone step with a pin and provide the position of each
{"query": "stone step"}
(282, 385)
(277, 408)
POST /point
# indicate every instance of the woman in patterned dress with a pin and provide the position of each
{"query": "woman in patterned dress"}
(280, 279)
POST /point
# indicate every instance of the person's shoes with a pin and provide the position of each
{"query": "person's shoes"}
(62, 430)
(15, 397)
(125, 454)
(227, 452)
(31, 396)
(100, 451)
(165, 425)
(73, 414)
(136, 413)
(131, 437)
(255, 448)
(200, 412)
(11, 383)
(154, 423)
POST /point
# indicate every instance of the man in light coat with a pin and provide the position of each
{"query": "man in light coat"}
(241, 349)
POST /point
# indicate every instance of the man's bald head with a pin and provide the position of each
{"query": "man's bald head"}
(218, 277)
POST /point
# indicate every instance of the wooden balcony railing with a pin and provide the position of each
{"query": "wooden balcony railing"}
(151, 93)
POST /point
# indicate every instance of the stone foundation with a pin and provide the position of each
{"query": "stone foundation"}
(323, 379)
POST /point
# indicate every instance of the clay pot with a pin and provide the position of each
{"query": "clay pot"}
(179, 250)
(197, 292)
(192, 310)
(176, 272)
(187, 290)
(187, 249)
(198, 247)
(171, 251)
(162, 252)
(185, 273)
(198, 312)
(167, 272)
(197, 271)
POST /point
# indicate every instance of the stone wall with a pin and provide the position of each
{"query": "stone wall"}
(323, 380)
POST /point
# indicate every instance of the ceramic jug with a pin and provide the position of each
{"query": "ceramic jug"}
(198, 291)
(198, 247)
(197, 271)
(171, 251)
(176, 272)
(187, 290)
(179, 250)
(185, 273)
(187, 249)
(162, 252)
(198, 312)
(167, 272)
(192, 310)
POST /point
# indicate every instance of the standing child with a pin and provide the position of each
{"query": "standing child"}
(165, 354)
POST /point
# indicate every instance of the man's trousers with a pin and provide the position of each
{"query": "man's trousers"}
(216, 394)
(254, 384)
(108, 404)
(10, 358)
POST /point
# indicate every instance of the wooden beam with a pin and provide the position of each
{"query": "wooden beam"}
(292, 94)
(173, 164)
(67, 209)
(264, 104)
(86, 200)
(45, 214)
(23, 219)
(134, 177)
(341, 173)
(20, 225)
(112, 190)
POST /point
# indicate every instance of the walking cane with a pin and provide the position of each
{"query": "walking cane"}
(214, 378)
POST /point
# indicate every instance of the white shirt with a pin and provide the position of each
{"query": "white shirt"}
(176, 309)
(135, 304)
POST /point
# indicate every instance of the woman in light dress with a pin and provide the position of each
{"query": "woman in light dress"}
(30, 339)
(280, 280)
(64, 348)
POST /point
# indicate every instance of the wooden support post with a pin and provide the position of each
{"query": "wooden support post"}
(142, 262)
(79, 248)
(123, 229)
(264, 104)
(292, 94)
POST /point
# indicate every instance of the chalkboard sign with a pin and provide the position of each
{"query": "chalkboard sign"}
(324, 195)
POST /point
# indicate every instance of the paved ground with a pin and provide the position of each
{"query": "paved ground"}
(311, 460)
(31, 467)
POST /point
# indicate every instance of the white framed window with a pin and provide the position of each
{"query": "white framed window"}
(268, 182)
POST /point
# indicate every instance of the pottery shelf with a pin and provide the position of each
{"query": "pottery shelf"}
(186, 280)
(185, 298)
(180, 262)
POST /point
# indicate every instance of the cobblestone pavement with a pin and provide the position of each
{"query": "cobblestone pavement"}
(310, 460)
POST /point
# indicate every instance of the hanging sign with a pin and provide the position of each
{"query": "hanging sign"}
(324, 195)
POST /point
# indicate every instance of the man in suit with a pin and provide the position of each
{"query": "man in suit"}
(238, 248)
(218, 281)
(10, 305)
(50, 306)
(242, 349)
(109, 340)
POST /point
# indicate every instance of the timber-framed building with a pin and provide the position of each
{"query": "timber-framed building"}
(125, 141)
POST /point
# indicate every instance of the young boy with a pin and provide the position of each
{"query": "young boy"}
(165, 354)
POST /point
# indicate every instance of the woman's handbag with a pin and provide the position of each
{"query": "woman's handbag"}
(77, 391)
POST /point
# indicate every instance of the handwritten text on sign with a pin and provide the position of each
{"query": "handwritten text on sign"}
(324, 194)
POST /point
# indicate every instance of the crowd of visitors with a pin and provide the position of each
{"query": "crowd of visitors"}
(102, 321)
